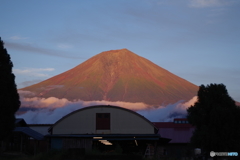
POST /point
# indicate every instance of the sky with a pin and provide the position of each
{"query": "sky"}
(198, 40)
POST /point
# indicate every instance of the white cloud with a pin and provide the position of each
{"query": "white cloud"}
(53, 102)
(25, 93)
(18, 37)
(36, 72)
(189, 103)
(168, 112)
(207, 3)
(49, 110)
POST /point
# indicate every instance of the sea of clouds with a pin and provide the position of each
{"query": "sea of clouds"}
(38, 110)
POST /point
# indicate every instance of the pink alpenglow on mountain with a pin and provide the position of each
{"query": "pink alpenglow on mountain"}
(117, 75)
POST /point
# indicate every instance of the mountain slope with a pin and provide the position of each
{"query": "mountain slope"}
(117, 75)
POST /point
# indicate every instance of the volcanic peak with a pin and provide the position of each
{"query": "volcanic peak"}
(117, 75)
(120, 53)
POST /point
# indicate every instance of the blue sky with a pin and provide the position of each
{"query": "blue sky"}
(198, 40)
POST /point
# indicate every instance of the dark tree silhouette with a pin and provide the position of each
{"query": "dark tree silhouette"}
(217, 120)
(9, 98)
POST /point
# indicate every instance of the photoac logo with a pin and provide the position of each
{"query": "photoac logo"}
(212, 153)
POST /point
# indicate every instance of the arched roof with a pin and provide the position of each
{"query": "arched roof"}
(106, 106)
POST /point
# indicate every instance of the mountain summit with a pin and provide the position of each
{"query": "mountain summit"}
(117, 75)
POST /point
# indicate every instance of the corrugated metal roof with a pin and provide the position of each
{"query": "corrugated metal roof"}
(17, 120)
(28, 131)
(40, 125)
(20, 122)
(179, 133)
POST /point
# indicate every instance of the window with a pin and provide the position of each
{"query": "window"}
(102, 121)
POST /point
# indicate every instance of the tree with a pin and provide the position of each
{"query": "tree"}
(216, 119)
(9, 98)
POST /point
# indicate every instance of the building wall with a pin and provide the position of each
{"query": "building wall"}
(122, 121)
(65, 143)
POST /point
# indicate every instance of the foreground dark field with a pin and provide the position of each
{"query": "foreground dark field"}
(65, 155)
